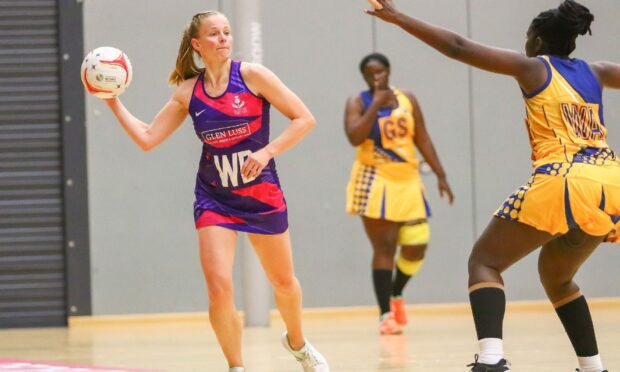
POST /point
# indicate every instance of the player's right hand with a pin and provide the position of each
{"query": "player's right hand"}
(384, 96)
(388, 12)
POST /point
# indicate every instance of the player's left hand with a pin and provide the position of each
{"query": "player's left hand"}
(254, 164)
(388, 13)
(444, 189)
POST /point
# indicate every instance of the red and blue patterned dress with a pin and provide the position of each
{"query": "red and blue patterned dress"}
(231, 127)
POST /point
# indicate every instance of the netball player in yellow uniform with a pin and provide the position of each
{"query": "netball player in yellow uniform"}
(572, 202)
(385, 189)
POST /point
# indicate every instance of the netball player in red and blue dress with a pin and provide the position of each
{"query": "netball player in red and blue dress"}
(571, 203)
(237, 187)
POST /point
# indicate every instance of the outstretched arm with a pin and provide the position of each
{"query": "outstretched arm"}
(608, 73)
(265, 83)
(171, 116)
(424, 144)
(529, 72)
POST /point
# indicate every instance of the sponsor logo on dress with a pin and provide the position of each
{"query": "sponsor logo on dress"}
(238, 103)
(239, 106)
(227, 134)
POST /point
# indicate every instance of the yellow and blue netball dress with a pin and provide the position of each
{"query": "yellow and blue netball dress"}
(385, 182)
(576, 178)
(231, 127)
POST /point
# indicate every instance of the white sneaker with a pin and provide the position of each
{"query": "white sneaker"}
(308, 356)
(236, 369)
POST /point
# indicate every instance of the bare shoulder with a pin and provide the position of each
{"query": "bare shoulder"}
(411, 96)
(183, 91)
(608, 73)
(600, 67)
(254, 71)
(258, 78)
(252, 68)
(354, 102)
(408, 93)
(354, 99)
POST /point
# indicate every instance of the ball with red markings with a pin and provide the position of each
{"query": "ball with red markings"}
(106, 72)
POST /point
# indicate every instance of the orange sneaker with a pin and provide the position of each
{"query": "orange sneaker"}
(397, 307)
(389, 325)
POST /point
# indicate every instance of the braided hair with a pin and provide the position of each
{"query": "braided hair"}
(559, 27)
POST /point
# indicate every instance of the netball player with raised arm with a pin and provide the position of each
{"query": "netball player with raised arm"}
(237, 187)
(572, 201)
(385, 189)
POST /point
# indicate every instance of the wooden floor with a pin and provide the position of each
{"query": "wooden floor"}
(437, 339)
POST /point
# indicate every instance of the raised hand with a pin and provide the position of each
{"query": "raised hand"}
(383, 95)
(388, 12)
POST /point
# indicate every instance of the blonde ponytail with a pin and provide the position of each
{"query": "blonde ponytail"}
(186, 67)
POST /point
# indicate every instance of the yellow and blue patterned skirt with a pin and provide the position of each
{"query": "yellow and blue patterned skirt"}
(583, 194)
(392, 192)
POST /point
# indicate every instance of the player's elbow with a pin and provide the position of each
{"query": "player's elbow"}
(456, 47)
(311, 123)
(147, 141)
(146, 146)
(354, 140)
(308, 122)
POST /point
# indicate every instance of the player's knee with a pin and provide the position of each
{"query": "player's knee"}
(285, 285)
(414, 235)
(413, 253)
(474, 262)
(384, 249)
(408, 266)
(552, 278)
(220, 289)
(478, 264)
(472, 265)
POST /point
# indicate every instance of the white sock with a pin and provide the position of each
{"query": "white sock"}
(590, 364)
(236, 369)
(491, 350)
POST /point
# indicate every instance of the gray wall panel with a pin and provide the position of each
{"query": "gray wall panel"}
(144, 249)
(32, 259)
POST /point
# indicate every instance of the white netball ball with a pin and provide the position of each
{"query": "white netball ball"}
(106, 72)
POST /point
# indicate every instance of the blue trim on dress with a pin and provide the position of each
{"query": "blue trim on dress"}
(427, 206)
(545, 85)
(602, 205)
(383, 205)
(375, 132)
(570, 220)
